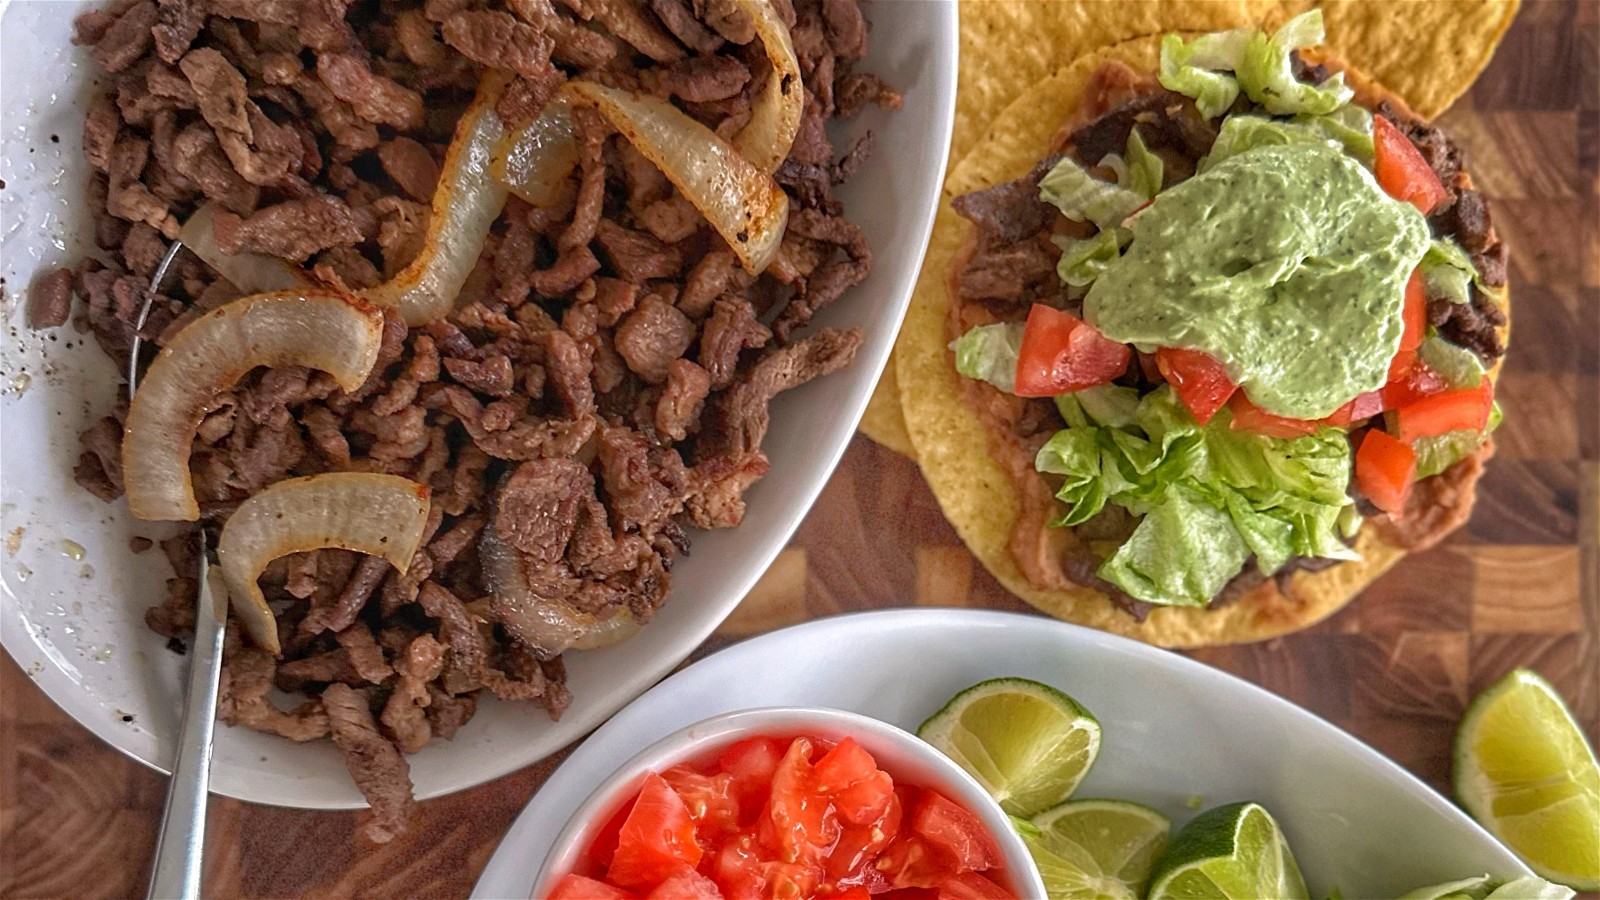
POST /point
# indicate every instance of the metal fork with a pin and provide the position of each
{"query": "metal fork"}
(180, 848)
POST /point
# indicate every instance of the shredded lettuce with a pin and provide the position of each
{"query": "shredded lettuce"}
(1082, 261)
(1267, 76)
(1485, 887)
(1350, 125)
(1269, 497)
(1085, 198)
(1441, 451)
(1260, 66)
(1241, 133)
(1182, 553)
(1460, 367)
(989, 353)
(1111, 405)
(1447, 271)
(1139, 170)
(1186, 68)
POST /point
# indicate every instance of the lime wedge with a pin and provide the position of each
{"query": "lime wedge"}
(1524, 770)
(1096, 848)
(1027, 743)
(1233, 852)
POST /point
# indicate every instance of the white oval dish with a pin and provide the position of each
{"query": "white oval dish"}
(1173, 730)
(73, 593)
(903, 755)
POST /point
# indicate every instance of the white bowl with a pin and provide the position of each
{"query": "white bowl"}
(1175, 733)
(906, 757)
(72, 615)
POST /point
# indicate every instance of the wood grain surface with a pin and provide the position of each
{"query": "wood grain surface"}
(1520, 586)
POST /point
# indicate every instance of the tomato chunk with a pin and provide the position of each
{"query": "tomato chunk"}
(1414, 313)
(1401, 170)
(577, 887)
(656, 839)
(686, 884)
(1385, 468)
(752, 763)
(1442, 413)
(1200, 380)
(1365, 406)
(799, 822)
(1061, 353)
(710, 799)
(954, 833)
(1416, 382)
(1249, 417)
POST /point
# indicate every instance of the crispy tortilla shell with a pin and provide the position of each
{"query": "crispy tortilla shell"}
(952, 444)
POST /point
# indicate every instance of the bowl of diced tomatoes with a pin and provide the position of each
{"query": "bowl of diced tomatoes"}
(789, 802)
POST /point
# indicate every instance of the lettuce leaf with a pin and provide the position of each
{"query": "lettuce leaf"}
(1460, 367)
(1141, 170)
(1082, 261)
(1274, 498)
(1266, 75)
(1350, 125)
(1082, 197)
(989, 353)
(1241, 133)
(1447, 271)
(1181, 554)
(1186, 68)
(1439, 452)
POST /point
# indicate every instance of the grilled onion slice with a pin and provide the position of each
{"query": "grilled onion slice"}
(548, 625)
(319, 329)
(775, 118)
(534, 161)
(252, 273)
(465, 205)
(380, 515)
(740, 201)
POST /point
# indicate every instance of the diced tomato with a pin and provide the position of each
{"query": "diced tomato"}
(604, 844)
(846, 764)
(1201, 382)
(1442, 413)
(710, 799)
(1417, 382)
(685, 884)
(1060, 353)
(910, 862)
(1340, 418)
(577, 887)
(855, 893)
(1249, 417)
(799, 822)
(954, 833)
(1402, 364)
(1401, 170)
(1414, 313)
(744, 873)
(1384, 470)
(656, 838)
(859, 845)
(752, 763)
(971, 886)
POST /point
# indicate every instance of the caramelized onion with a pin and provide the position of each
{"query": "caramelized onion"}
(775, 118)
(740, 201)
(465, 205)
(548, 625)
(534, 161)
(380, 515)
(318, 329)
(252, 273)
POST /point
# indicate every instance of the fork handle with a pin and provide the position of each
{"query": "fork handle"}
(180, 856)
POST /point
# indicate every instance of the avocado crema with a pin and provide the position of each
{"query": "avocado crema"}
(1286, 263)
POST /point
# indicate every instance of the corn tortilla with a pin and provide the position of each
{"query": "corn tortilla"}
(951, 443)
(1426, 51)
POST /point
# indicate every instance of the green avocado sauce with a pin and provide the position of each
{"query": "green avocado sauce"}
(1287, 263)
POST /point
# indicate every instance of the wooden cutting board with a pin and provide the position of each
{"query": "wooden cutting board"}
(1520, 586)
